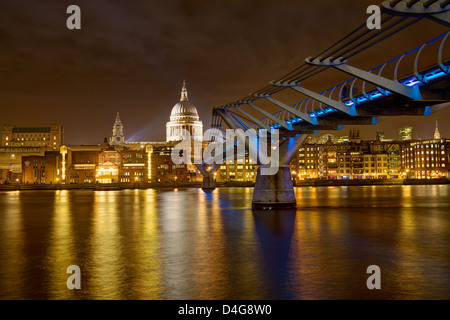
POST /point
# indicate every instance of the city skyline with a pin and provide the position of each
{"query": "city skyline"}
(217, 151)
(132, 58)
(426, 131)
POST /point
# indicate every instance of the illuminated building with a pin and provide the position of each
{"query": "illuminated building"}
(237, 171)
(308, 161)
(18, 142)
(352, 159)
(11, 161)
(394, 160)
(426, 159)
(78, 164)
(134, 166)
(405, 133)
(109, 161)
(163, 170)
(41, 169)
(328, 161)
(51, 137)
(184, 117)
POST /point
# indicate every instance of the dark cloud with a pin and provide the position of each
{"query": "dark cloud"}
(131, 56)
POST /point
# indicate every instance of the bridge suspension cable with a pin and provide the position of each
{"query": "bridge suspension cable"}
(339, 52)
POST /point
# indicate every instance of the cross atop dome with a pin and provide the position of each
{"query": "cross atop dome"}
(184, 96)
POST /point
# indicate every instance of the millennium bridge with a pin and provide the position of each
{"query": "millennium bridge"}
(402, 86)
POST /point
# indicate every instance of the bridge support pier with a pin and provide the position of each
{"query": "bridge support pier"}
(208, 183)
(274, 191)
(277, 191)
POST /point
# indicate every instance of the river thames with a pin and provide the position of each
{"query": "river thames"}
(189, 244)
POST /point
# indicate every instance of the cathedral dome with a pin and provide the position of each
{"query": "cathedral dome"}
(184, 108)
(184, 120)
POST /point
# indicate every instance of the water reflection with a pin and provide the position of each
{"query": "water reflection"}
(12, 245)
(61, 246)
(188, 244)
(274, 230)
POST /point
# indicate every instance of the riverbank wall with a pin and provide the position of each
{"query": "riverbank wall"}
(234, 184)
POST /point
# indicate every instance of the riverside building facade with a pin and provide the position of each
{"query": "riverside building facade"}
(19, 142)
(37, 156)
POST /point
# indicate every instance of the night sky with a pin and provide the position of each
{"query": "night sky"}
(132, 56)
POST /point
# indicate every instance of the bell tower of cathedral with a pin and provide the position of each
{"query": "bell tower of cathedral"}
(117, 139)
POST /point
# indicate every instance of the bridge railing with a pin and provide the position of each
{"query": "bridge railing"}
(355, 91)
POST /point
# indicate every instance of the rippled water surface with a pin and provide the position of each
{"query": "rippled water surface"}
(188, 244)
